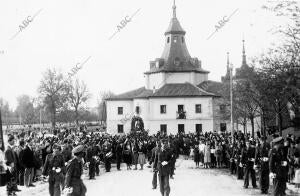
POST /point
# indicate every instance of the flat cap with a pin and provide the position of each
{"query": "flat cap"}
(277, 139)
(78, 149)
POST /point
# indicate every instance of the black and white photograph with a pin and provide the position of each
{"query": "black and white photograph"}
(152, 98)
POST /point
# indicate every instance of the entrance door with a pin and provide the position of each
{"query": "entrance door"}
(223, 127)
(163, 129)
(180, 128)
(198, 128)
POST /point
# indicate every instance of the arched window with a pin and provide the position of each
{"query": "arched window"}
(182, 38)
(168, 40)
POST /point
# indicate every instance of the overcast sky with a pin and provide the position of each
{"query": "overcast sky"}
(67, 32)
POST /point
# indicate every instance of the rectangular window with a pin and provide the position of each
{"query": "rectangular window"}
(163, 109)
(137, 109)
(180, 108)
(120, 110)
(198, 128)
(180, 128)
(163, 129)
(120, 128)
(198, 108)
(223, 127)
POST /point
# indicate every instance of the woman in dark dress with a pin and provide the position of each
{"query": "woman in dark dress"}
(127, 154)
(196, 156)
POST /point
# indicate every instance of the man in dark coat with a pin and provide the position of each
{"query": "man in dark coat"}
(27, 159)
(163, 165)
(73, 182)
(90, 157)
(248, 158)
(66, 151)
(154, 153)
(55, 167)
(278, 167)
(262, 158)
(119, 150)
(20, 151)
(11, 162)
(107, 156)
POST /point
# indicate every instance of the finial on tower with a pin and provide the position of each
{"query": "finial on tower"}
(244, 47)
(174, 9)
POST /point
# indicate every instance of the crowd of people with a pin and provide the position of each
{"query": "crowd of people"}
(30, 156)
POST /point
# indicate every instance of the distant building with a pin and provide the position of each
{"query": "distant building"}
(177, 95)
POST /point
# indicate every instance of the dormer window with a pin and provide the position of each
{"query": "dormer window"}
(157, 64)
(175, 39)
(177, 61)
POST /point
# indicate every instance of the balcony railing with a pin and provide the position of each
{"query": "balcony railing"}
(181, 115)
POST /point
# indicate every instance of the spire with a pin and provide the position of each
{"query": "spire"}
(227, 61)
(244, 62)
(174, 9)
(174, 26)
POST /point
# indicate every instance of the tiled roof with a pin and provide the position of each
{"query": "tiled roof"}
(180, 90)
(168, 90)
(140, 92)
(214, 87)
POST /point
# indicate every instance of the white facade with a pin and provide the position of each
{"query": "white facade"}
(150, 113)
(157, 80)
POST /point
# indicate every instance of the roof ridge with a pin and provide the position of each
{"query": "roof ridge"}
(202, 89)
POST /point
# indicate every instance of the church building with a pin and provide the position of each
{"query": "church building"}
(176, 97)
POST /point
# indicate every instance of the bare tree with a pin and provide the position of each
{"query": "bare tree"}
(25, 109)
(78, 95)
(54, 91)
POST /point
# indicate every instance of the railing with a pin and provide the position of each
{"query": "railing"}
(181, 115)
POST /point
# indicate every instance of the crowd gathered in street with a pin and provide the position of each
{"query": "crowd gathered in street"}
(62, 156)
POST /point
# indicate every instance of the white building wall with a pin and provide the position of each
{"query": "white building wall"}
(189, 106)
(192, 118)
(113, 119)
(172, 125)
(200, 77)
(150, 113)
(155, 80)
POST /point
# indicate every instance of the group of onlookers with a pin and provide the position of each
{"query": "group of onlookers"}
(30, 156)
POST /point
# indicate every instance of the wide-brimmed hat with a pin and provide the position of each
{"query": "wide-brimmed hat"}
(78, 149)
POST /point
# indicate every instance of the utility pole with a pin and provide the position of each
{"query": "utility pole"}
(231, 99)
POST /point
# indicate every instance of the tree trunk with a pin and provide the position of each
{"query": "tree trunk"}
(76, 117)
(53, 120)
(279, 119)
(252, 125)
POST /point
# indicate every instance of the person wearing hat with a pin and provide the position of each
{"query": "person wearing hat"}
(11, 162)
(278, 167)
(73, 184)
(154, 153)
(27, 159)
(54, 168)
(248, 158)
(162, 164)
(262, 158)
